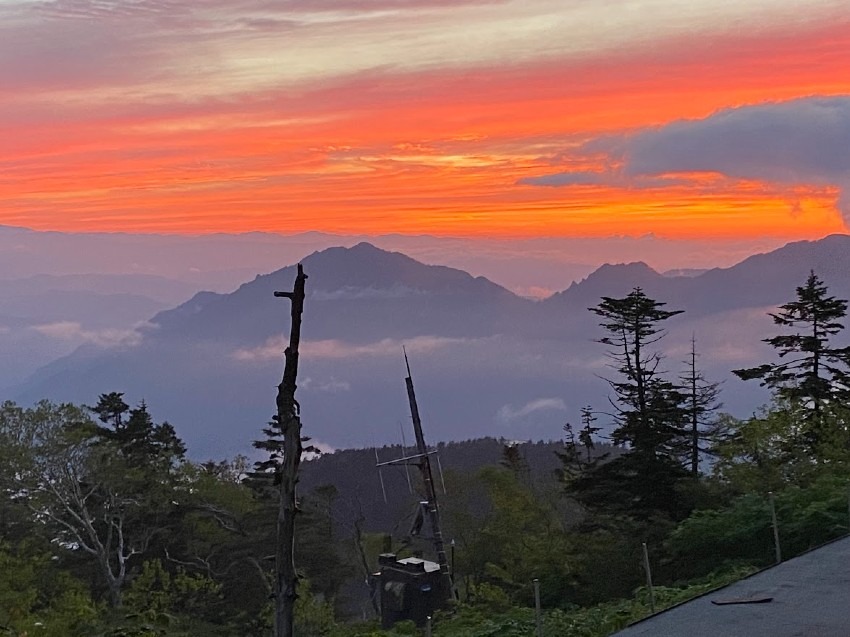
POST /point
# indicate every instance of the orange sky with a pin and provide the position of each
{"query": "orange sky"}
(205, 122)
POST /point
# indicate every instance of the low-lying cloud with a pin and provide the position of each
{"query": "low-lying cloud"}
(508, 413)
(329, 386)
(359, 293)
(72, 331)
(273, 348)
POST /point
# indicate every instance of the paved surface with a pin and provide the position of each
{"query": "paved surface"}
(811, 598)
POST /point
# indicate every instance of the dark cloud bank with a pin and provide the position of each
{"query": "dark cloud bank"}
(804, 141)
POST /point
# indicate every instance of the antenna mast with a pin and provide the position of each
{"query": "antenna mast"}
(427, 476)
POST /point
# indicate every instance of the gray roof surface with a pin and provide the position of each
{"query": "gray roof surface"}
(811, 598)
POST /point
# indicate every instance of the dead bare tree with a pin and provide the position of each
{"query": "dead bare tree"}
(289, 423)
(283, 443)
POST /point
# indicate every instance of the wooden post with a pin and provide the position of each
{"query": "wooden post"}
(648, 578)
(289, 422)
(848, 507)
(537, 618)
(775, 527)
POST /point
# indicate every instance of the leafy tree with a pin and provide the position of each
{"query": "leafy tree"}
(770, 450)
(740, 533)
(812, 370)
(94, 496)
(507, 534)
(177, 593)
(38, 598)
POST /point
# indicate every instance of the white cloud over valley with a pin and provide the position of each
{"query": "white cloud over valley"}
(73, 331)
(273, 348)
(509, 413)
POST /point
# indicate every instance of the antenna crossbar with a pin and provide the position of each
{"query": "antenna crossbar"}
(406, 458)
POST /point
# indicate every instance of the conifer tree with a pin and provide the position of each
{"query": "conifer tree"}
(648, 408)
(701, 405)
(648, 417)
(588, 431)
(811, 371)
(140, 441)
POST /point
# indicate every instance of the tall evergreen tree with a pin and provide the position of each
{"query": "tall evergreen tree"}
(514, 460)
(812, 370)
(648, 416)
(701, 405)
(588, 431)
(142, 442)
(648, 408)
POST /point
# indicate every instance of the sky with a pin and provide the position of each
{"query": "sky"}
(681, 119)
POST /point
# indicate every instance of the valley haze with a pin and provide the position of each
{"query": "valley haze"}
(487, 360)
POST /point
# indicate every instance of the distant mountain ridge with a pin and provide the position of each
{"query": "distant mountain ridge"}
(368, 281)
(486, 361)
(758, 281)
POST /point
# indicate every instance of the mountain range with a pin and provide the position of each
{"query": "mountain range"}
(486, 362)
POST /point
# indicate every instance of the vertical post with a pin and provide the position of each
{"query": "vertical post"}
(648, 577)
(848, 507)
(537, 616)
(289, 424)
(775, 527)
(428, 626)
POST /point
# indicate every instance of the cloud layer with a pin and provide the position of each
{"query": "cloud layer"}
(273, 348)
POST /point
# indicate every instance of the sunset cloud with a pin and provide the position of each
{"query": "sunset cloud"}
(407, 116)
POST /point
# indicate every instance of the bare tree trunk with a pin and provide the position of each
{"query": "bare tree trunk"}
(286, 579)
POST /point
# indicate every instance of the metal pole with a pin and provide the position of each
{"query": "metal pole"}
(775, 527)
(648, 578)
(428, 626)
(380, 475)
(442, 479)
(537, 607)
